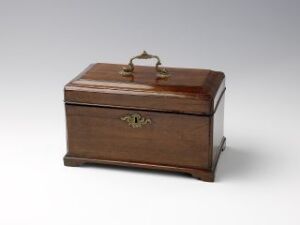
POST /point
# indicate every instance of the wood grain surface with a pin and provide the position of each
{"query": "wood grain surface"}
(186, 110)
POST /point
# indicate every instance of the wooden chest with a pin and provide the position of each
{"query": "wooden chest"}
(148, 117)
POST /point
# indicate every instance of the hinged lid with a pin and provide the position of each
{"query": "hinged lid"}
(180, 90)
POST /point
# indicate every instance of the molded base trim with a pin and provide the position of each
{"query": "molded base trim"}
(205, 175)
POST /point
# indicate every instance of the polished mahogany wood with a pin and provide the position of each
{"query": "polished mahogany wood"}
(96, 132)
(185, 91)
(203, 174)
(186, 133)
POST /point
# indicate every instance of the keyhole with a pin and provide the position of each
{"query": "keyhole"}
(135, 120)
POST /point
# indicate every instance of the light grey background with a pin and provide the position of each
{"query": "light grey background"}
(43, 44)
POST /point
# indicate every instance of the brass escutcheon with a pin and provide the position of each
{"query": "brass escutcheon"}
(135, 120)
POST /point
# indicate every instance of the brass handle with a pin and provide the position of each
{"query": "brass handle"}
(128, 70)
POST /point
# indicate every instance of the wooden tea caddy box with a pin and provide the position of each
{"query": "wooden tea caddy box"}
(147, 117)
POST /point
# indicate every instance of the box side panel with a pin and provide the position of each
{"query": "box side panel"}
(218, 129)
(218, 95)
(170, 139)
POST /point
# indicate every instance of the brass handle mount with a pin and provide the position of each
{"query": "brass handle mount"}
(129, 69)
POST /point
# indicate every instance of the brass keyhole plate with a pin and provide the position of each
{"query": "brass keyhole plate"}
(135, 120)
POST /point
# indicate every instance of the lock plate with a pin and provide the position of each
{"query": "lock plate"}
(135, 120)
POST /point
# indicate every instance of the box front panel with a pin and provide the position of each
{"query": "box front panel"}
(138, 136)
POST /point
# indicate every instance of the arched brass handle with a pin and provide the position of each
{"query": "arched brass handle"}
(128, 70)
